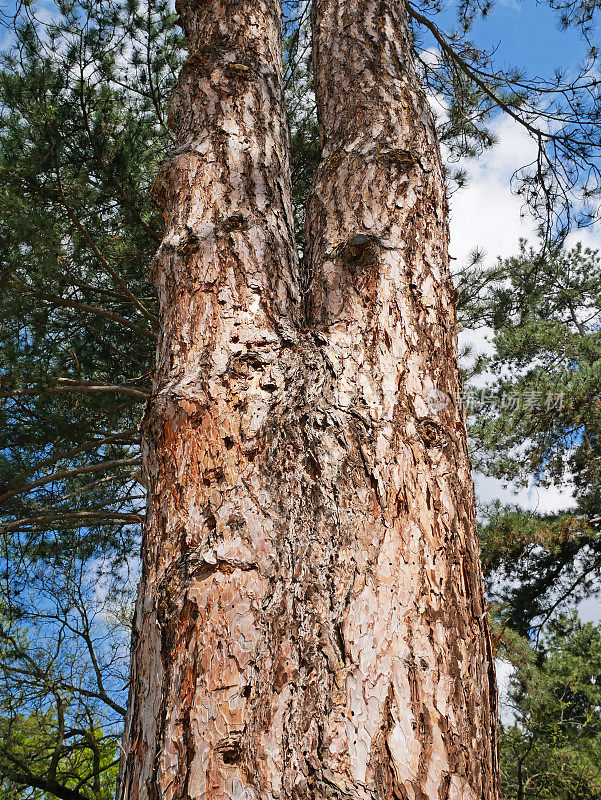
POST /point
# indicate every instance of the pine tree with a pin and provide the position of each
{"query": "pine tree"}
(541, 419)
(83, 131)
(310, 619)
(551, 747)
(81, 137)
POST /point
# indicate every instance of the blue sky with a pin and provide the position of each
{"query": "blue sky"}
(524, 33)
(527, 35)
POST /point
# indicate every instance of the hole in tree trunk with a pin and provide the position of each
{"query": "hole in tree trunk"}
(230, 751)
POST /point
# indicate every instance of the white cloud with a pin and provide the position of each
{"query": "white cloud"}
(590, 609)
(486, 214)
(537, 499)
(505, 671)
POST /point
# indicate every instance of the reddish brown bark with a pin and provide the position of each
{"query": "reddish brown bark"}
(383, 298)
(310, 620)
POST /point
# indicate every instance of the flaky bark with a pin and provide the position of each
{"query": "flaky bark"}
(420, 686)
(225, 274)
(310, 620)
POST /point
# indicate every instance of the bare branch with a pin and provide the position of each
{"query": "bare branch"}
(82, 518)
(113, 437)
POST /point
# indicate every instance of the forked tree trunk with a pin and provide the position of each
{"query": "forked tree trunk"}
(310, 620)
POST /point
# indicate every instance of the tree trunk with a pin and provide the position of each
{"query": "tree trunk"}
(310, 621)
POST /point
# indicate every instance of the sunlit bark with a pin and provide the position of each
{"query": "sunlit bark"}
(310, 620)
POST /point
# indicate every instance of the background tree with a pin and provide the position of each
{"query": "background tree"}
(552, 745)
(541, 420)
(82, 133)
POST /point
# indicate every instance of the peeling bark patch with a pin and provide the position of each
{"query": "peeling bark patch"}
(230, 750)
(432, 433)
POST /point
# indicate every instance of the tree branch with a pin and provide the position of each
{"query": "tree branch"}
(69, 473)
(99, 312)
(74, 386)
(113, 437)
(85, 517)
(51, 787)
